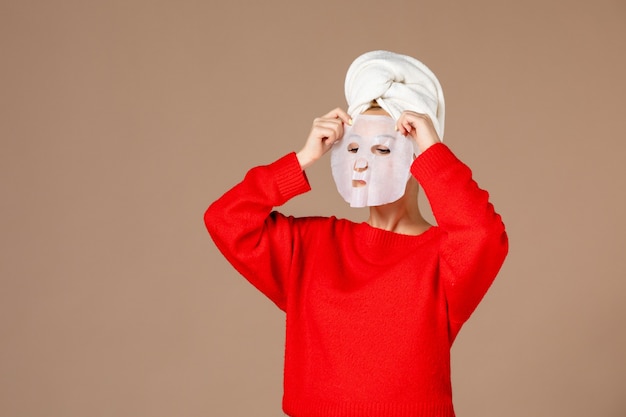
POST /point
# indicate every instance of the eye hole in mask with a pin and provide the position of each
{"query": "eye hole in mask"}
(381, 150)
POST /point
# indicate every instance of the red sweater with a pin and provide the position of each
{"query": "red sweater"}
(371, 314)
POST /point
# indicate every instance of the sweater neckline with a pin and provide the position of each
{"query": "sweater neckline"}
(375, 235)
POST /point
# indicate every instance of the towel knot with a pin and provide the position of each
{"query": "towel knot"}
(397, 83)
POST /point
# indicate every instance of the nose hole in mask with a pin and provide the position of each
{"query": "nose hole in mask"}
(360, 165)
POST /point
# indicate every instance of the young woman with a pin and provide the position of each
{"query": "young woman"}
(372, 308)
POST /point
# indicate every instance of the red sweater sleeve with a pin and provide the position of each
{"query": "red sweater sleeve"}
(474, 242)
(253, 238)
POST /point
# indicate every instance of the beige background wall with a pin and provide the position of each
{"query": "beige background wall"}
(120, 121)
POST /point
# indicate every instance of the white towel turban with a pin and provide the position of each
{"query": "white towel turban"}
(397, 83)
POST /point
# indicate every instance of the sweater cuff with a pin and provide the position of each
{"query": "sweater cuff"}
(430, 162)
(290, 178)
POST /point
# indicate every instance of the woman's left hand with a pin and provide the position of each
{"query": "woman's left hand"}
(419, 127)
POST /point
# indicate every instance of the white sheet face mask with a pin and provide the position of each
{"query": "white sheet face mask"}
(371, 163)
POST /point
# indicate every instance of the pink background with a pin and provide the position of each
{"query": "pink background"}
(122, 120)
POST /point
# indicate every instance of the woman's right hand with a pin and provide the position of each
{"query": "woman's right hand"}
(326, 130)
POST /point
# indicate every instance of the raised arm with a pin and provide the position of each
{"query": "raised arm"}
(253, 238)
(256, 240)
(475, 242)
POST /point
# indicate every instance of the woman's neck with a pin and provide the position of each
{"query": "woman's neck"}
(402, 216)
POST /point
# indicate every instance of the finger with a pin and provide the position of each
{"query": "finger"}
(333, 120)
(401, 124)
(327, 134)
(400, 128)
(335, 124)
(340, 114)
(404, 126)
(332, 136)
(410, 121)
